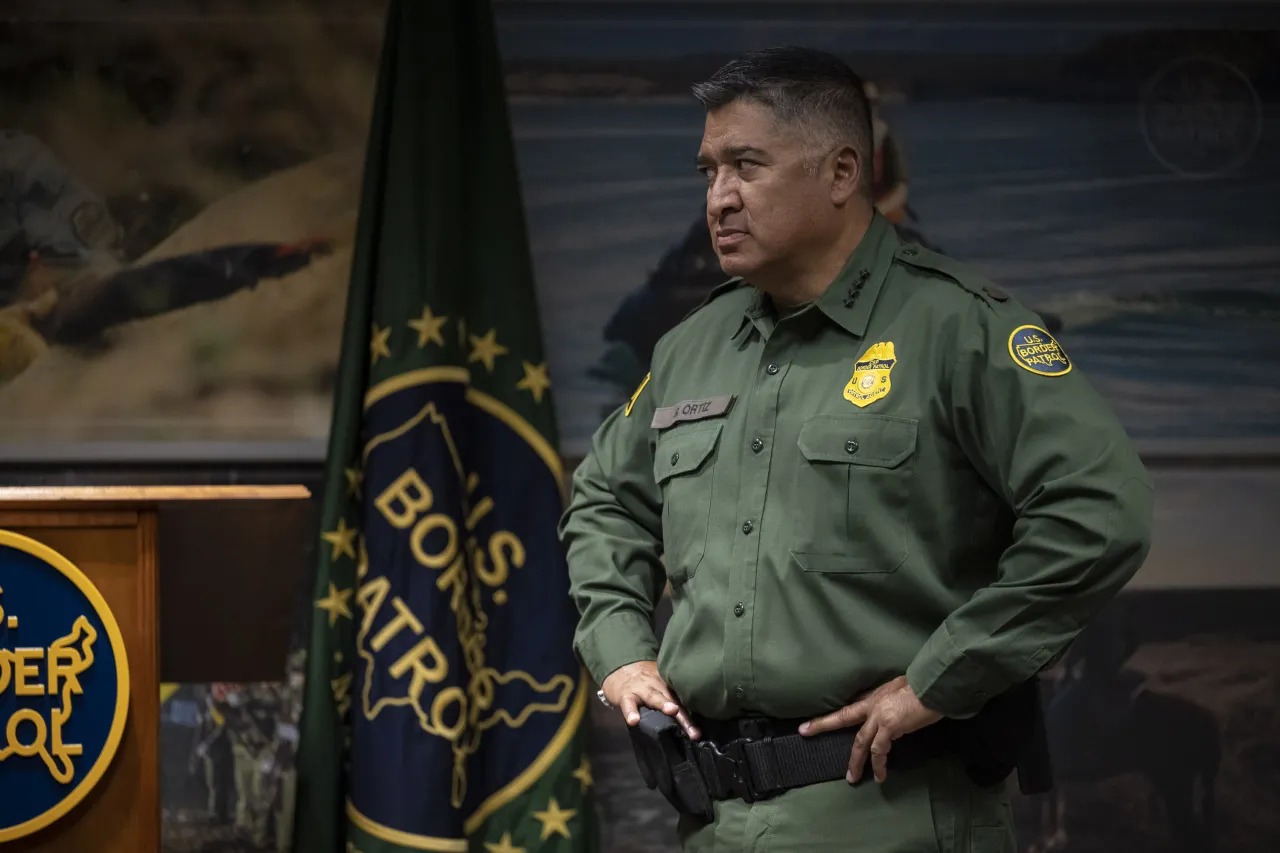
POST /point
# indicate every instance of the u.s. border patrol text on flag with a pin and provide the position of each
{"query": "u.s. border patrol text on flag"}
(445, 709)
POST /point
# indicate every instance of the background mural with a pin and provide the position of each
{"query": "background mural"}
(178, 188)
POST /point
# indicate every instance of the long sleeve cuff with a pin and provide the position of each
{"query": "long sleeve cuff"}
(946, 681)
(615, 642)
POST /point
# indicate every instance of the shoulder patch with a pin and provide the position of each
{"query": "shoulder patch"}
(952, 269)
(1034, 349)
(716, 292)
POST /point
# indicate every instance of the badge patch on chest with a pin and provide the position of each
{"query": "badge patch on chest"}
(691, 410)
(1034, 349)
(870, 379)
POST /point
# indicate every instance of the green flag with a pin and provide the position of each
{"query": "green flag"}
(444, 708)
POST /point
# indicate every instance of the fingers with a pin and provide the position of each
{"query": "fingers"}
(880, 746)
(650, 693)
(682, 717)
(630, 708)
(861, 745)
(846, 717)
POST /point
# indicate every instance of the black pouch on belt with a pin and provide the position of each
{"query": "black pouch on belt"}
(668, 763)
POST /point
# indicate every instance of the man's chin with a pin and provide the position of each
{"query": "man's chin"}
(737, 264)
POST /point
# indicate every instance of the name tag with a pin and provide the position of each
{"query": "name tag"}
(691, 410)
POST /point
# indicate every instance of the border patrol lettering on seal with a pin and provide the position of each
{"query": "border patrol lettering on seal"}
(64, 686)
(870, 381)
(1034, 349)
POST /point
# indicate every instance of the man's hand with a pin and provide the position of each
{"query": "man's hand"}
(638, 684)
(885, 714)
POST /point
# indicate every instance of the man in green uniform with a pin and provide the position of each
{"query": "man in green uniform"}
(882, 495)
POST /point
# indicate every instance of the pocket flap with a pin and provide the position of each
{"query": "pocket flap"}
(683, 451)
(876, 440)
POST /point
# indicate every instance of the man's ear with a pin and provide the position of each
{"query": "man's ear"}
(846, 174)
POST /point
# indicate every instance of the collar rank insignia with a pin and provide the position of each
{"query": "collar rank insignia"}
(870, 379)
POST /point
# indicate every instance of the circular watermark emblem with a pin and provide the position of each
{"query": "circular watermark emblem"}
(1201, 117)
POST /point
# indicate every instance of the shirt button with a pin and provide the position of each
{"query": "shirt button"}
(675, 457)
(851, 446)
(757, 445)
(738, 609)
(739, 692)
(771, 369)
(747, 527)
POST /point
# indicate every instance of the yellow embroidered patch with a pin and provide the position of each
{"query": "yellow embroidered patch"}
(1034, 349)
(627, 412)
(870, 380)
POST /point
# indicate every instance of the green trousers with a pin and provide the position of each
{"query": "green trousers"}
(931, 808)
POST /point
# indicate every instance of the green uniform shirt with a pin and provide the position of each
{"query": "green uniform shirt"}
(905, 476)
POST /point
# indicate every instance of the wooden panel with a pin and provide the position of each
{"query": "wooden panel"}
(122, 814)
(231, 582)
(12, 520)
(26, 497)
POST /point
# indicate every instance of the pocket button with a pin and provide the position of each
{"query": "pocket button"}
(851, 446)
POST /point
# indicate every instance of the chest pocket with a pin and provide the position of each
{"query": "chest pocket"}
(682, 468)
(851, 509)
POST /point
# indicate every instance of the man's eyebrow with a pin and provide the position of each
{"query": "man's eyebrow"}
(733, 152)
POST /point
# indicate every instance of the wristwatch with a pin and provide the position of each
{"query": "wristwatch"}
(603, 701)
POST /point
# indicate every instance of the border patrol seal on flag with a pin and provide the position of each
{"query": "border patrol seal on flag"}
(64, 686)
(453, 677)
(870, 381)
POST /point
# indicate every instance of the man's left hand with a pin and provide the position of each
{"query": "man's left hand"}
(885, 714)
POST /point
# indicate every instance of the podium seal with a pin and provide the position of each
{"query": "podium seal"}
(64, 686)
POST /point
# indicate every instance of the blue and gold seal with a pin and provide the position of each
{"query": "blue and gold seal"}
(1034, 349)
(64, 686)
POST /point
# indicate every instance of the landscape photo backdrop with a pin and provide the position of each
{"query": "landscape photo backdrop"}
(178, 194)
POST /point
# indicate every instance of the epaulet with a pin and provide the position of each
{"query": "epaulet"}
(951, 269)
(716, 292)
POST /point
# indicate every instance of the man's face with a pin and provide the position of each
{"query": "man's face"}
(763, 209)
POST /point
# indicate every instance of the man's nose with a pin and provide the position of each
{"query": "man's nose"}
(722, 196)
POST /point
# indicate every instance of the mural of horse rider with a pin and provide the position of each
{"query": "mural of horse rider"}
(1104, 721)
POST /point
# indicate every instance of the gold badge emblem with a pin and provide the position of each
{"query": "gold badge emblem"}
(870, 379)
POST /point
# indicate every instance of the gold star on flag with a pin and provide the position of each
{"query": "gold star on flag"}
(486, 348)
(378, 343)
(335, 604)
(504, 845)
(583, 774)
(535, 380)
(343, 540)
(555, 819)
(355, 477)
(428, 327)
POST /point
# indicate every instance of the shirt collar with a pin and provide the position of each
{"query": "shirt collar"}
(852, 294)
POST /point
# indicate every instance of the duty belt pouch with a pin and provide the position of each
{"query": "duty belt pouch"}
(1008, 734)
(668, 763)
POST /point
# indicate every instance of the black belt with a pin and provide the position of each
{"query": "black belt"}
(753, 759)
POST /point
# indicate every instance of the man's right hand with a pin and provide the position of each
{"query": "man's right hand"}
(638, 685)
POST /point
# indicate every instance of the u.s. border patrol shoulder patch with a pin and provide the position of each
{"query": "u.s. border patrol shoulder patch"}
(1034, 349)
(870, 381)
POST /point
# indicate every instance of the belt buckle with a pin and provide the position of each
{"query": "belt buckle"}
(731, 770)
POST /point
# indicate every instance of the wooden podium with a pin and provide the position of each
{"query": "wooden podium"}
(112, 535)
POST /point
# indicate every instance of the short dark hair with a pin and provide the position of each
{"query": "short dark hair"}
(815, 92)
